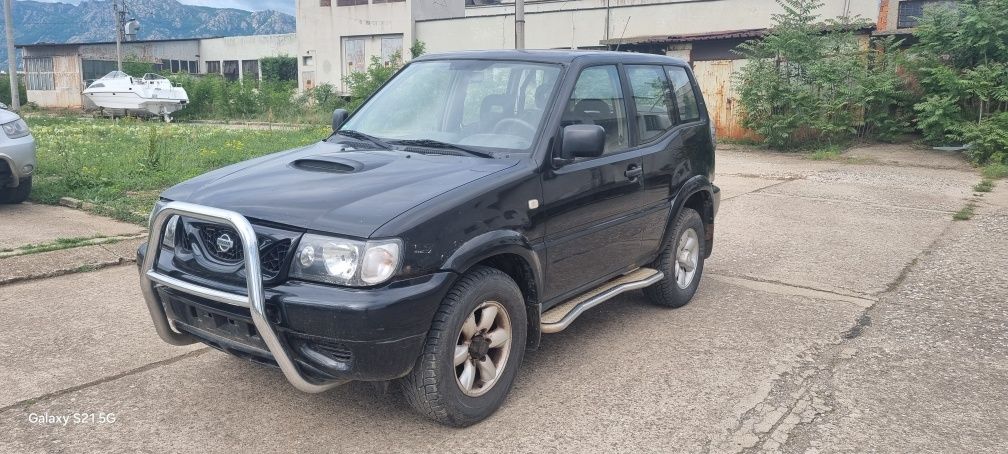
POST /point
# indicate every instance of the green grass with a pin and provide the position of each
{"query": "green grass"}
(984, 185)
(995, 171)
(58, 244)
(830, 153)
(122, 165)
(965, 213)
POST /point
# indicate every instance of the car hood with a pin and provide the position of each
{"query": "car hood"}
(328, 187)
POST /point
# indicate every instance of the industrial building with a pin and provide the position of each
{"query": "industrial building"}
(56, 74)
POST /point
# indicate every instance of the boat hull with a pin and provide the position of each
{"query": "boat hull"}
(134, 103)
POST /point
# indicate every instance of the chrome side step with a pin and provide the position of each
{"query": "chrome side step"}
(560, 317)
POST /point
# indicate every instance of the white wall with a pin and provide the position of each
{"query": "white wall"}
(321, 29)
(240, 48)
(583, 23)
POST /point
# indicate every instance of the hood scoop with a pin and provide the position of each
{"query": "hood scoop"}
(330, 164)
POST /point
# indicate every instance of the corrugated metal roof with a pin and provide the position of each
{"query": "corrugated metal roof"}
(172, 40)
(730, 34)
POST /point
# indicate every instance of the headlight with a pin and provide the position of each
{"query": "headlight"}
(16, 129)
(346, 262)
(157, 207)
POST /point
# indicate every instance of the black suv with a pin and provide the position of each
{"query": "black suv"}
(475, 202)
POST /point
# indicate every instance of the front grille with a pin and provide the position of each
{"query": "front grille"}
(272, 258)
(334, 351)
(216, 237)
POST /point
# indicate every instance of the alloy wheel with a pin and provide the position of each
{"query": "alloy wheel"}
(687, 258)
(482, 349)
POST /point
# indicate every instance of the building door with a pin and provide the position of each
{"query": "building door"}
(389, 46)
(715, 80)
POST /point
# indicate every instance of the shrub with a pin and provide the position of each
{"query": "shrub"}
(279, 69)
(810, 82)
(5, 91)
(961, 62)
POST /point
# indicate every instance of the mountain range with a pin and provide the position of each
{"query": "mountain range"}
(93, 21)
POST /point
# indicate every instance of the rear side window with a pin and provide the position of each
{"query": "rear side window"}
(598, 100)
(652, 95)
(684, 94)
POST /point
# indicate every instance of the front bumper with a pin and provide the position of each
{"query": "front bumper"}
(17, 160)
(320, 336)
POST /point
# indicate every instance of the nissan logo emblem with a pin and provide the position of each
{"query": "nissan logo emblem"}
(224, 243)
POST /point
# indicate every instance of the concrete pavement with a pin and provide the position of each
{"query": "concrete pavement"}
(843, 310)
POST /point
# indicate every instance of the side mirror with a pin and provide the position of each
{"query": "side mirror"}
(338, 117)
(582, 141)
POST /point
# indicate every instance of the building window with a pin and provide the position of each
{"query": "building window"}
(307, 60)
(390, 47)
(193, 67)
(213, 67)
(39, 72)
(482, 2)
(325, 3)
(230, 70)
(250, 70)
(351, 2)
(386, 1)
(96, 69)
(911, 11)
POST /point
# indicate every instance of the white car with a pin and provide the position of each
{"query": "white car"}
(17, 157)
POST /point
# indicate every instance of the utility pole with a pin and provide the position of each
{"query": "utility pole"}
(519, 24)
(119, 16)
(11, 56)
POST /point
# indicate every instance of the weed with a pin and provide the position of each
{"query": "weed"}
(965, 213)
(829, 153)
(995, 171)
(984, 185)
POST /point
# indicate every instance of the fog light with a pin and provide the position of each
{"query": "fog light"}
(28, 169)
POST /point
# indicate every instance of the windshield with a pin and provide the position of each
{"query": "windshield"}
(472, 103)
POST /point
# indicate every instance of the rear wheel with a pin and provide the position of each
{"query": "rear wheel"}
(18, 194)
(682, 261)
(472, 352)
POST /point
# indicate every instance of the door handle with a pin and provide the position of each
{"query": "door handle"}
(633, 172)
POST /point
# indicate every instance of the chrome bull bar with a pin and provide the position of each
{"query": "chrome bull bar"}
(255, 300)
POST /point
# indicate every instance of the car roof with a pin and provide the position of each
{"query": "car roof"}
(556, 56)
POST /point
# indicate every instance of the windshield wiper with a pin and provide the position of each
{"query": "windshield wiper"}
(361, 136)
(431, 143)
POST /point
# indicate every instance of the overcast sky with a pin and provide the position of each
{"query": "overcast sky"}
(286, 6)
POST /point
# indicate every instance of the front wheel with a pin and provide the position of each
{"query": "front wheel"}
(18, 194)
(682, 261)
(472, 352)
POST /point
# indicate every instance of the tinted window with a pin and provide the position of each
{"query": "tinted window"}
(685, 97)
(652, 96)
(598, 100)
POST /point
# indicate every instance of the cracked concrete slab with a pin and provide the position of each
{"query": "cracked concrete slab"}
(29, 223)
(829, 245)
(627, 376)
(912, 187)
(61, 332)
(65, 261)
(929, 373)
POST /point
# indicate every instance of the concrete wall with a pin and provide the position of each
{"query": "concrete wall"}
(144, 51)
(322, 30)
(584, 23)
(246, 48)
(449, 25)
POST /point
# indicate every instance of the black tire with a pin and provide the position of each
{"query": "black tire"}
(667, 292)
(18, 194)
(432, 387)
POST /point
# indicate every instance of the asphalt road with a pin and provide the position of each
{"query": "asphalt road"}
(843, 310)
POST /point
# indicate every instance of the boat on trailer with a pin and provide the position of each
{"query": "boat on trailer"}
(119, 93)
